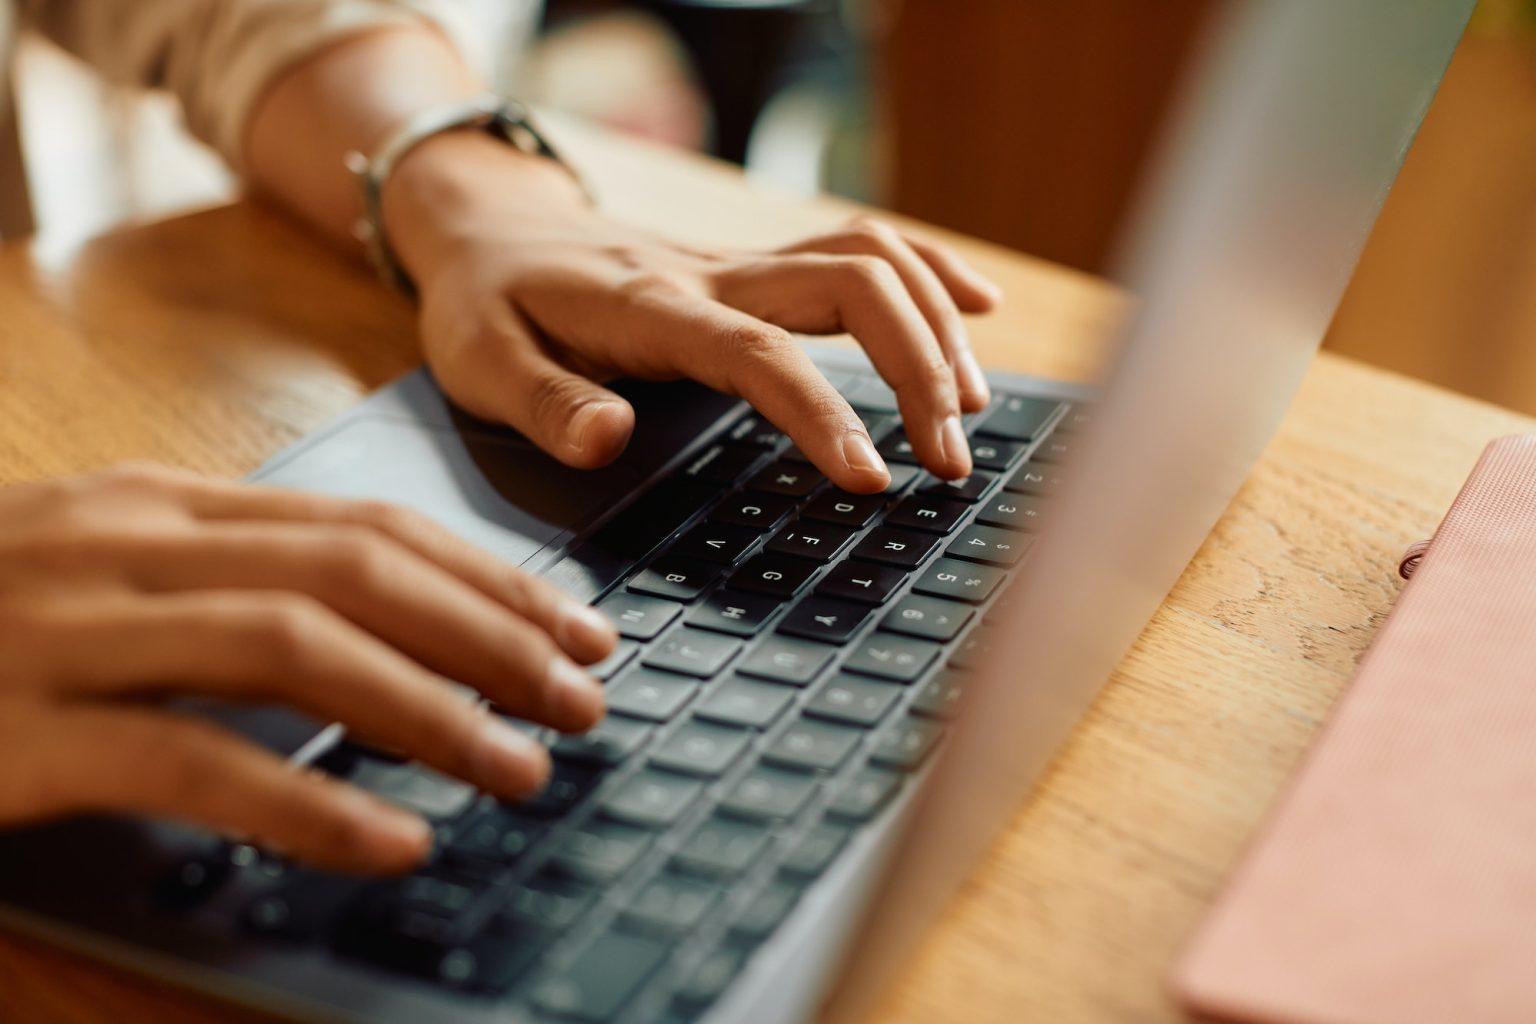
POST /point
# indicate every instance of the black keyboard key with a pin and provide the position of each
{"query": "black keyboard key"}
(551, 900)
(841, 508)
(968, 489)
(768, 794)
(901, 476)
(927, 513)
(710, 977)
(753, 510)
(958, 580)
(599, 852)
(865, 795)
(794, 479)
(815, 851)
(410, 923)
(786, 660)
(430, 794)
(669, 905)
(692, 652)
(677, 579)
(973, 650)
(1035, 478)
(990, 544)
(600, 981)
(819, 542)
(1055, 449)
(722, 463)
(766, 911)
(722, 848)
(869, 393)
(655, 696)
(892, 657)
(902, 549)
(715, 542)
(897, 448)
(1017, 417)
(653, 517)
(754, 430)
(939, 697)
(825, 619)
(861, 582)
(610, 742)
(699, 748)
(775, 575)
(928, 617)
(568, 783)
(497, 837)
(504, 950)
(907, 744)
(1011, 511)
(745, 703)
(995, 455)
(734, 612)
(1078, 417)
(651, 799)
(609, 667)
(639, 616)
(855, 701)
(809, 745)
(305, 906)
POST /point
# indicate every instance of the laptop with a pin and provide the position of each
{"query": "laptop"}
(825, 705)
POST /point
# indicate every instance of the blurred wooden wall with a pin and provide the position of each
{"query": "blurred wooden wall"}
(1026, 122)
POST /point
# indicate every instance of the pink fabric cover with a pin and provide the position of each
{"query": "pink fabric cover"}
(1395, 880)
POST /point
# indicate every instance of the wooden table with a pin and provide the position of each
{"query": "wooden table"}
(214, 339)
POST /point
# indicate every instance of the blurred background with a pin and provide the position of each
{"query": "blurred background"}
(1025, 122)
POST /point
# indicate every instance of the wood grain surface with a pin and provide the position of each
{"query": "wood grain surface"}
(212, 340)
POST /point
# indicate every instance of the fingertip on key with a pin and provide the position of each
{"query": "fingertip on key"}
(868, 469)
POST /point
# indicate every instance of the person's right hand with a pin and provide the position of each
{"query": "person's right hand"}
(123, 585)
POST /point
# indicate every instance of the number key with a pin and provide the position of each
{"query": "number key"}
(989, 544)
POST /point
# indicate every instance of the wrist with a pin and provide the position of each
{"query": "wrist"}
(449, 187)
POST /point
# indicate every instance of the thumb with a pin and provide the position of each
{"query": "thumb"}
(507, 376)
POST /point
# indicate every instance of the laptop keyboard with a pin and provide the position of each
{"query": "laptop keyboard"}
(790, 655)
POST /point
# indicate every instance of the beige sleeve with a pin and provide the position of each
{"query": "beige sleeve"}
(217, 56)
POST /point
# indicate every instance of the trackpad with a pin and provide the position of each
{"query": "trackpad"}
(499, 492)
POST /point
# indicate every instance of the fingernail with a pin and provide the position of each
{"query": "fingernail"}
(957, 450)
(574, 695)
(972, 379)
(584, 628)
(584, 420)
(859, 453)
(510, 761)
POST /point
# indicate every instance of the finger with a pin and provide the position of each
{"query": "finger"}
(972, 291)
(513, 380)
(581, 631)
(733, 352)
(864, 295)
(870, 237)
(85, 758)
(385, 588)
(287, 648)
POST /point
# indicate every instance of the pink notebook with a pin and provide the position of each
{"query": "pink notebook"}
(1395, 880)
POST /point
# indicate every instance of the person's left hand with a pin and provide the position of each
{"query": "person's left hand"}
(530, 297)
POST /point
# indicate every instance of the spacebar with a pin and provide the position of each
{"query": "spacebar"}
(601, 561)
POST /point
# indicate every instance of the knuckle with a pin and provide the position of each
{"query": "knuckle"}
(873, 231)
(870, 275)
(755, 342)
(648, 286)
(358, 557)
(285, 628)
